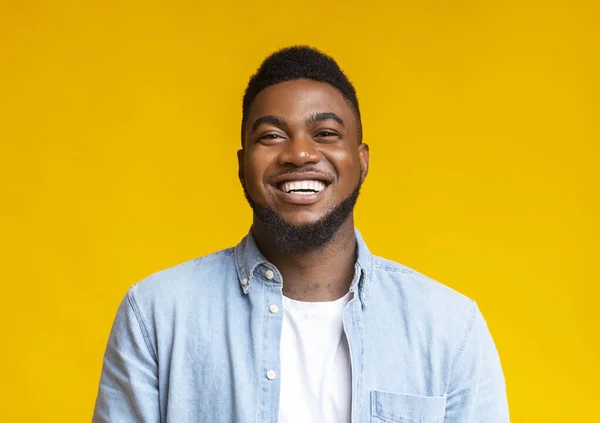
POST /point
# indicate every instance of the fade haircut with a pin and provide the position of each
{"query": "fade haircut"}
(298, 62)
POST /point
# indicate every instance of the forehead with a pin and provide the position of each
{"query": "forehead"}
(297, 99)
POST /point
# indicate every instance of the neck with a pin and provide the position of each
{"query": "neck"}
(323, 274)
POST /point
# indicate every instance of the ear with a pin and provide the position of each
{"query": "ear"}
(363, 157)
(240, 156)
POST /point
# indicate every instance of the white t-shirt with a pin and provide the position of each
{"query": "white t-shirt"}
(316, 380)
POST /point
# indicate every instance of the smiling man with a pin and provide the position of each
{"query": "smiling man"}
(299, 322)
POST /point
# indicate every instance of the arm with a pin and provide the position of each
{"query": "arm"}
(476, 390)
(128, 389)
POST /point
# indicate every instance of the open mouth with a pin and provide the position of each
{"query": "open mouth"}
(305, 187)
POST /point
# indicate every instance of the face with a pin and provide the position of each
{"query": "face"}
(301, 157)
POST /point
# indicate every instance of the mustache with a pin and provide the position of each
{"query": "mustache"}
(307, 169)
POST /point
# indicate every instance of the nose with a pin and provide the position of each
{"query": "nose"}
(299, 151)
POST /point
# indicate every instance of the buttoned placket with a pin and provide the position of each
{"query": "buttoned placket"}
(270, 284)
(353, 330)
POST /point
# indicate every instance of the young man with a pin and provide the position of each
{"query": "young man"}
(299, 322)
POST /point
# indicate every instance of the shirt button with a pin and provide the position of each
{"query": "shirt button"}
(273, 309)
(269, 274)
(271, 375)
(245, 281)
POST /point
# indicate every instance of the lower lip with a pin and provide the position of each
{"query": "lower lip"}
(300, 199)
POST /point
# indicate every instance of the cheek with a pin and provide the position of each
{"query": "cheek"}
(346, 164)
(255, 166)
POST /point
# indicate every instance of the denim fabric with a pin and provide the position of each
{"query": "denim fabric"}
(194, 343)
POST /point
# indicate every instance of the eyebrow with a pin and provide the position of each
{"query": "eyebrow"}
(272, 119)
(319, 117)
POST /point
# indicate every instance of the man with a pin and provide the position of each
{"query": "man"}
(299, 322)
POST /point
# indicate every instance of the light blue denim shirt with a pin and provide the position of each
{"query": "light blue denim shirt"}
(194, 343)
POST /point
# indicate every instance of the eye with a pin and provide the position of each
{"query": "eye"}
(270, 138)
(326, 133)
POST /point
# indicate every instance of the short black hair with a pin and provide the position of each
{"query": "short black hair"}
(298, 62)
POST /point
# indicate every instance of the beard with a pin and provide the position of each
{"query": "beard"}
(302, 238)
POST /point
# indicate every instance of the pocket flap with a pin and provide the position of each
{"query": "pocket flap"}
(400, 407)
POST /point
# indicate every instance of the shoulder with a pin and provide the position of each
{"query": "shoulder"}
(416, 283)
(185, 280)
(421, 297)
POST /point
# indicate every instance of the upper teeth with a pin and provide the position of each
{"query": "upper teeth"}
(303, 185)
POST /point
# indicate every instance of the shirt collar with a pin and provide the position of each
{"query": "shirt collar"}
(248, 258)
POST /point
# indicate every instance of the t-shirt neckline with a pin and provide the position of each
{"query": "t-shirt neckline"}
(338, 304)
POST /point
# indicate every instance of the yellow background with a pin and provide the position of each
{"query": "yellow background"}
(119, 123)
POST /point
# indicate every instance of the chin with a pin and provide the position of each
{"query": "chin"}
(302, 219)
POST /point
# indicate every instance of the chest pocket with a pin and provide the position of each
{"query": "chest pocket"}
(387, 407)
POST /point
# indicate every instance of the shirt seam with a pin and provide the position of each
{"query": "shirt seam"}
(225, 252)
(138, 317)
(198, 260)
(396, 269)
(464, 341)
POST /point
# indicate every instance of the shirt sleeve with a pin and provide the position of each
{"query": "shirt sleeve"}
(477, 391)
(128, 390)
